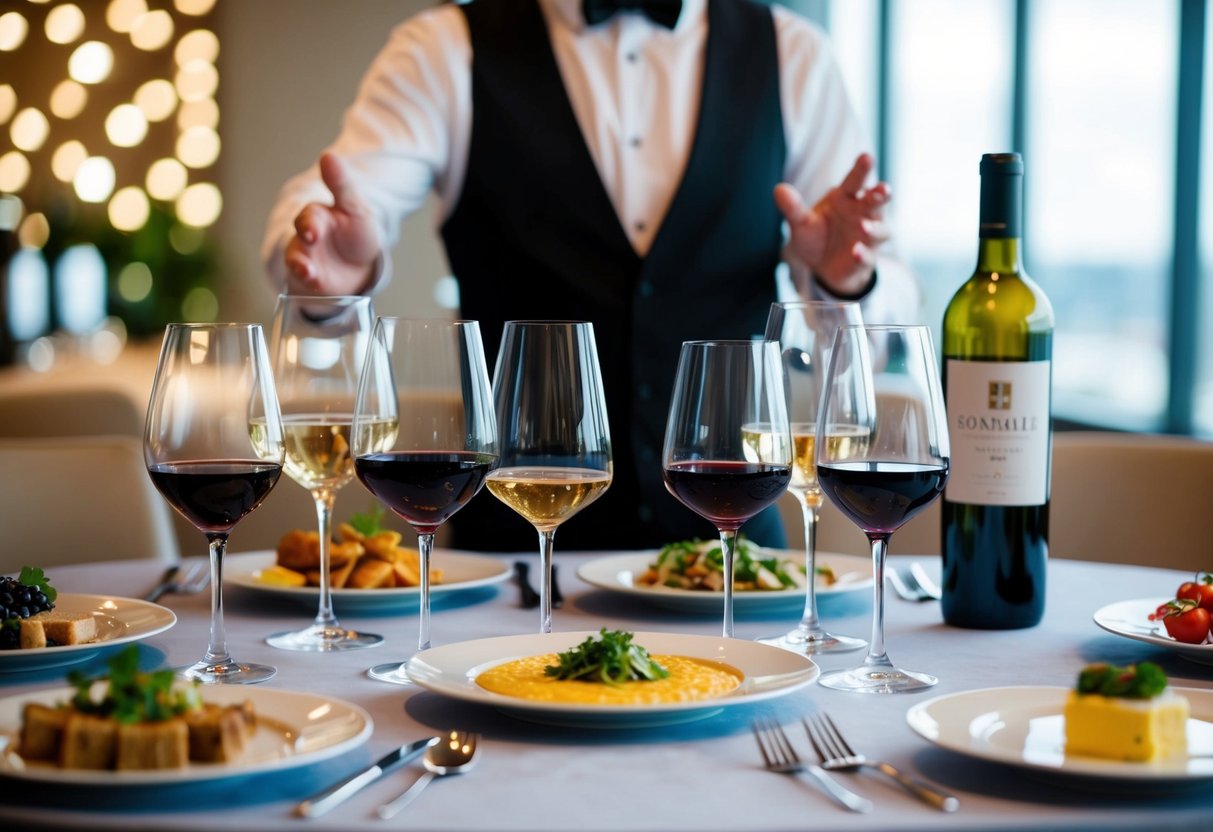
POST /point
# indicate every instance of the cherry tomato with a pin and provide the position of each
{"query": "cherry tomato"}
(1186, 622)
(1199, 590)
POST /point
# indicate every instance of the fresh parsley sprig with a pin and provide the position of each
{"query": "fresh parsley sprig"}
(132, 695)
(1143, 680)
(612, 659)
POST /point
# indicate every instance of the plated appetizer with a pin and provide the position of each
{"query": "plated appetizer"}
(611, 670)
(365, 556)
(28, 619)
(1189, 616)
(699, 564)
(132, 720)
(1125, 713)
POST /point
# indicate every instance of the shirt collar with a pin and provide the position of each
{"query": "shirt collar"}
(568, 13)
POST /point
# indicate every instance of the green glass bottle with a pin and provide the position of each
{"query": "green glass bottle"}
(997, 369)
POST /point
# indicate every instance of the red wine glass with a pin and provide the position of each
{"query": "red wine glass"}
(318, 345)
(805, 332)
(721, 389)
(428, 379)
(882, 381)
(555, 442)
(213, 444)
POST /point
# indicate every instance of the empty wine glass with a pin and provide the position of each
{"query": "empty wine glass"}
(555, 443)
(722, 388)
(318, 345)
(213, 444)
(805, 332)
(425, 436)
(882, 382)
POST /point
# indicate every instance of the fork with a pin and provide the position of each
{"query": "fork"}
(778, 755)
(907, 586)
(837, 755)
(195, 580)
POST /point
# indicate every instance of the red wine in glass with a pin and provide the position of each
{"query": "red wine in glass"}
(424, 487)
(215, 495)
(880, 497)
(726, 492)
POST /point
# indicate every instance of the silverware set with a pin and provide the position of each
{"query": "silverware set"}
(835, 754)
(914, 584)
(181, 579)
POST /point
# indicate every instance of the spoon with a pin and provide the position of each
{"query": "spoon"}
(454, 754)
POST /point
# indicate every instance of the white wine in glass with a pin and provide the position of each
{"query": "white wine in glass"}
(318, 346)
(805, 332)
(214, 447)
(555, 443)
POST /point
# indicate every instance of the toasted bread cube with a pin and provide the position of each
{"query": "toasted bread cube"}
(32, 634)
(88, 742)
(41, 732)
(58, 629)
(218, 734)
(150, 745)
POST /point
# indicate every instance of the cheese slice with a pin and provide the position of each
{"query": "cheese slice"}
(1137, 730)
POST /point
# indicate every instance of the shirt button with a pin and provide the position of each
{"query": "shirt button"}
(640, 226)
(634, 141)
(633, 57)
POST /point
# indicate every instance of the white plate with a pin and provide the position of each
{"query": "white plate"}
(461, 572)
(618, 573)
(1131, 619)
(119, 620)
(293, 729)
(769, 672)
(1025, 727)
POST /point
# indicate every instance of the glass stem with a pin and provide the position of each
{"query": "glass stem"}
(325, 498)
(546, 539)
(728, 548)
(425, 550)
(809, 623)
(216, 651)
(877, 656)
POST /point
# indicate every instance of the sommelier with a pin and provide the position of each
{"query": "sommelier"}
(631, 167)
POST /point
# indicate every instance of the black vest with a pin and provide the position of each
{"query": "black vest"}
(535, 236)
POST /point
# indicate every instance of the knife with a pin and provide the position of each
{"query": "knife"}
(318, 804)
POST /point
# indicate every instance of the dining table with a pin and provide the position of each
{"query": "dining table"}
(704, 774)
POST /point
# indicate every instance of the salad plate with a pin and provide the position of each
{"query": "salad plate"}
(1131, 619)
(119, 621)
(769, 672)
(461, 572)
(1025, 727)
(293, 729)
(619, 573)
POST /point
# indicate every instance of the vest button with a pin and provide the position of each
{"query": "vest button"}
(646, 454)
(645, 288)
(644, 392)
(644, 513)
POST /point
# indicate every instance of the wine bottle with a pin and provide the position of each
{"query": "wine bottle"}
(997, 368)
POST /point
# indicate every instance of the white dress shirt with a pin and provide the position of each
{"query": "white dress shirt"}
(634, 87)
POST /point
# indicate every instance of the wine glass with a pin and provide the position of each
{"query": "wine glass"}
(318, 345)
(555, 443)
(882, 381)
(805, 332)
(720, 389)
(214, 447)
(424, 434)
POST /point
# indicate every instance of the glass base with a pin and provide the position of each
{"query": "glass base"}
(809, 643)
(229, 673)
(878, 679)
(318, 639)
(390, 672)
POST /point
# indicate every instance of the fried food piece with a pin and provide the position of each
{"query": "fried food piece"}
(149, 745)
(42, 732)
(371, 573)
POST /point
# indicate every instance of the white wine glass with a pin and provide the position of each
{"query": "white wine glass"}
(555, 443)
(805, 332)
(425, 436)
(882, 380)
(318, 345)
(213, 445)
(708, 462)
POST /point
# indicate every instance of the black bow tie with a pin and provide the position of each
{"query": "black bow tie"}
(663, 12)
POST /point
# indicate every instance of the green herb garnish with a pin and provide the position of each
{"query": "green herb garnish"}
(613, 660)
(368, 524)
(32, 576)
(1143, 680)
(132, 695)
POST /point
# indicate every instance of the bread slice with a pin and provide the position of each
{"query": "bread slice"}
(51, 627)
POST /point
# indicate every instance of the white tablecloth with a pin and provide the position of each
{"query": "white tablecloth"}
(700, 776)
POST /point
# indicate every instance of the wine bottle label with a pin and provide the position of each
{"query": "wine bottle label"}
(998, 422)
